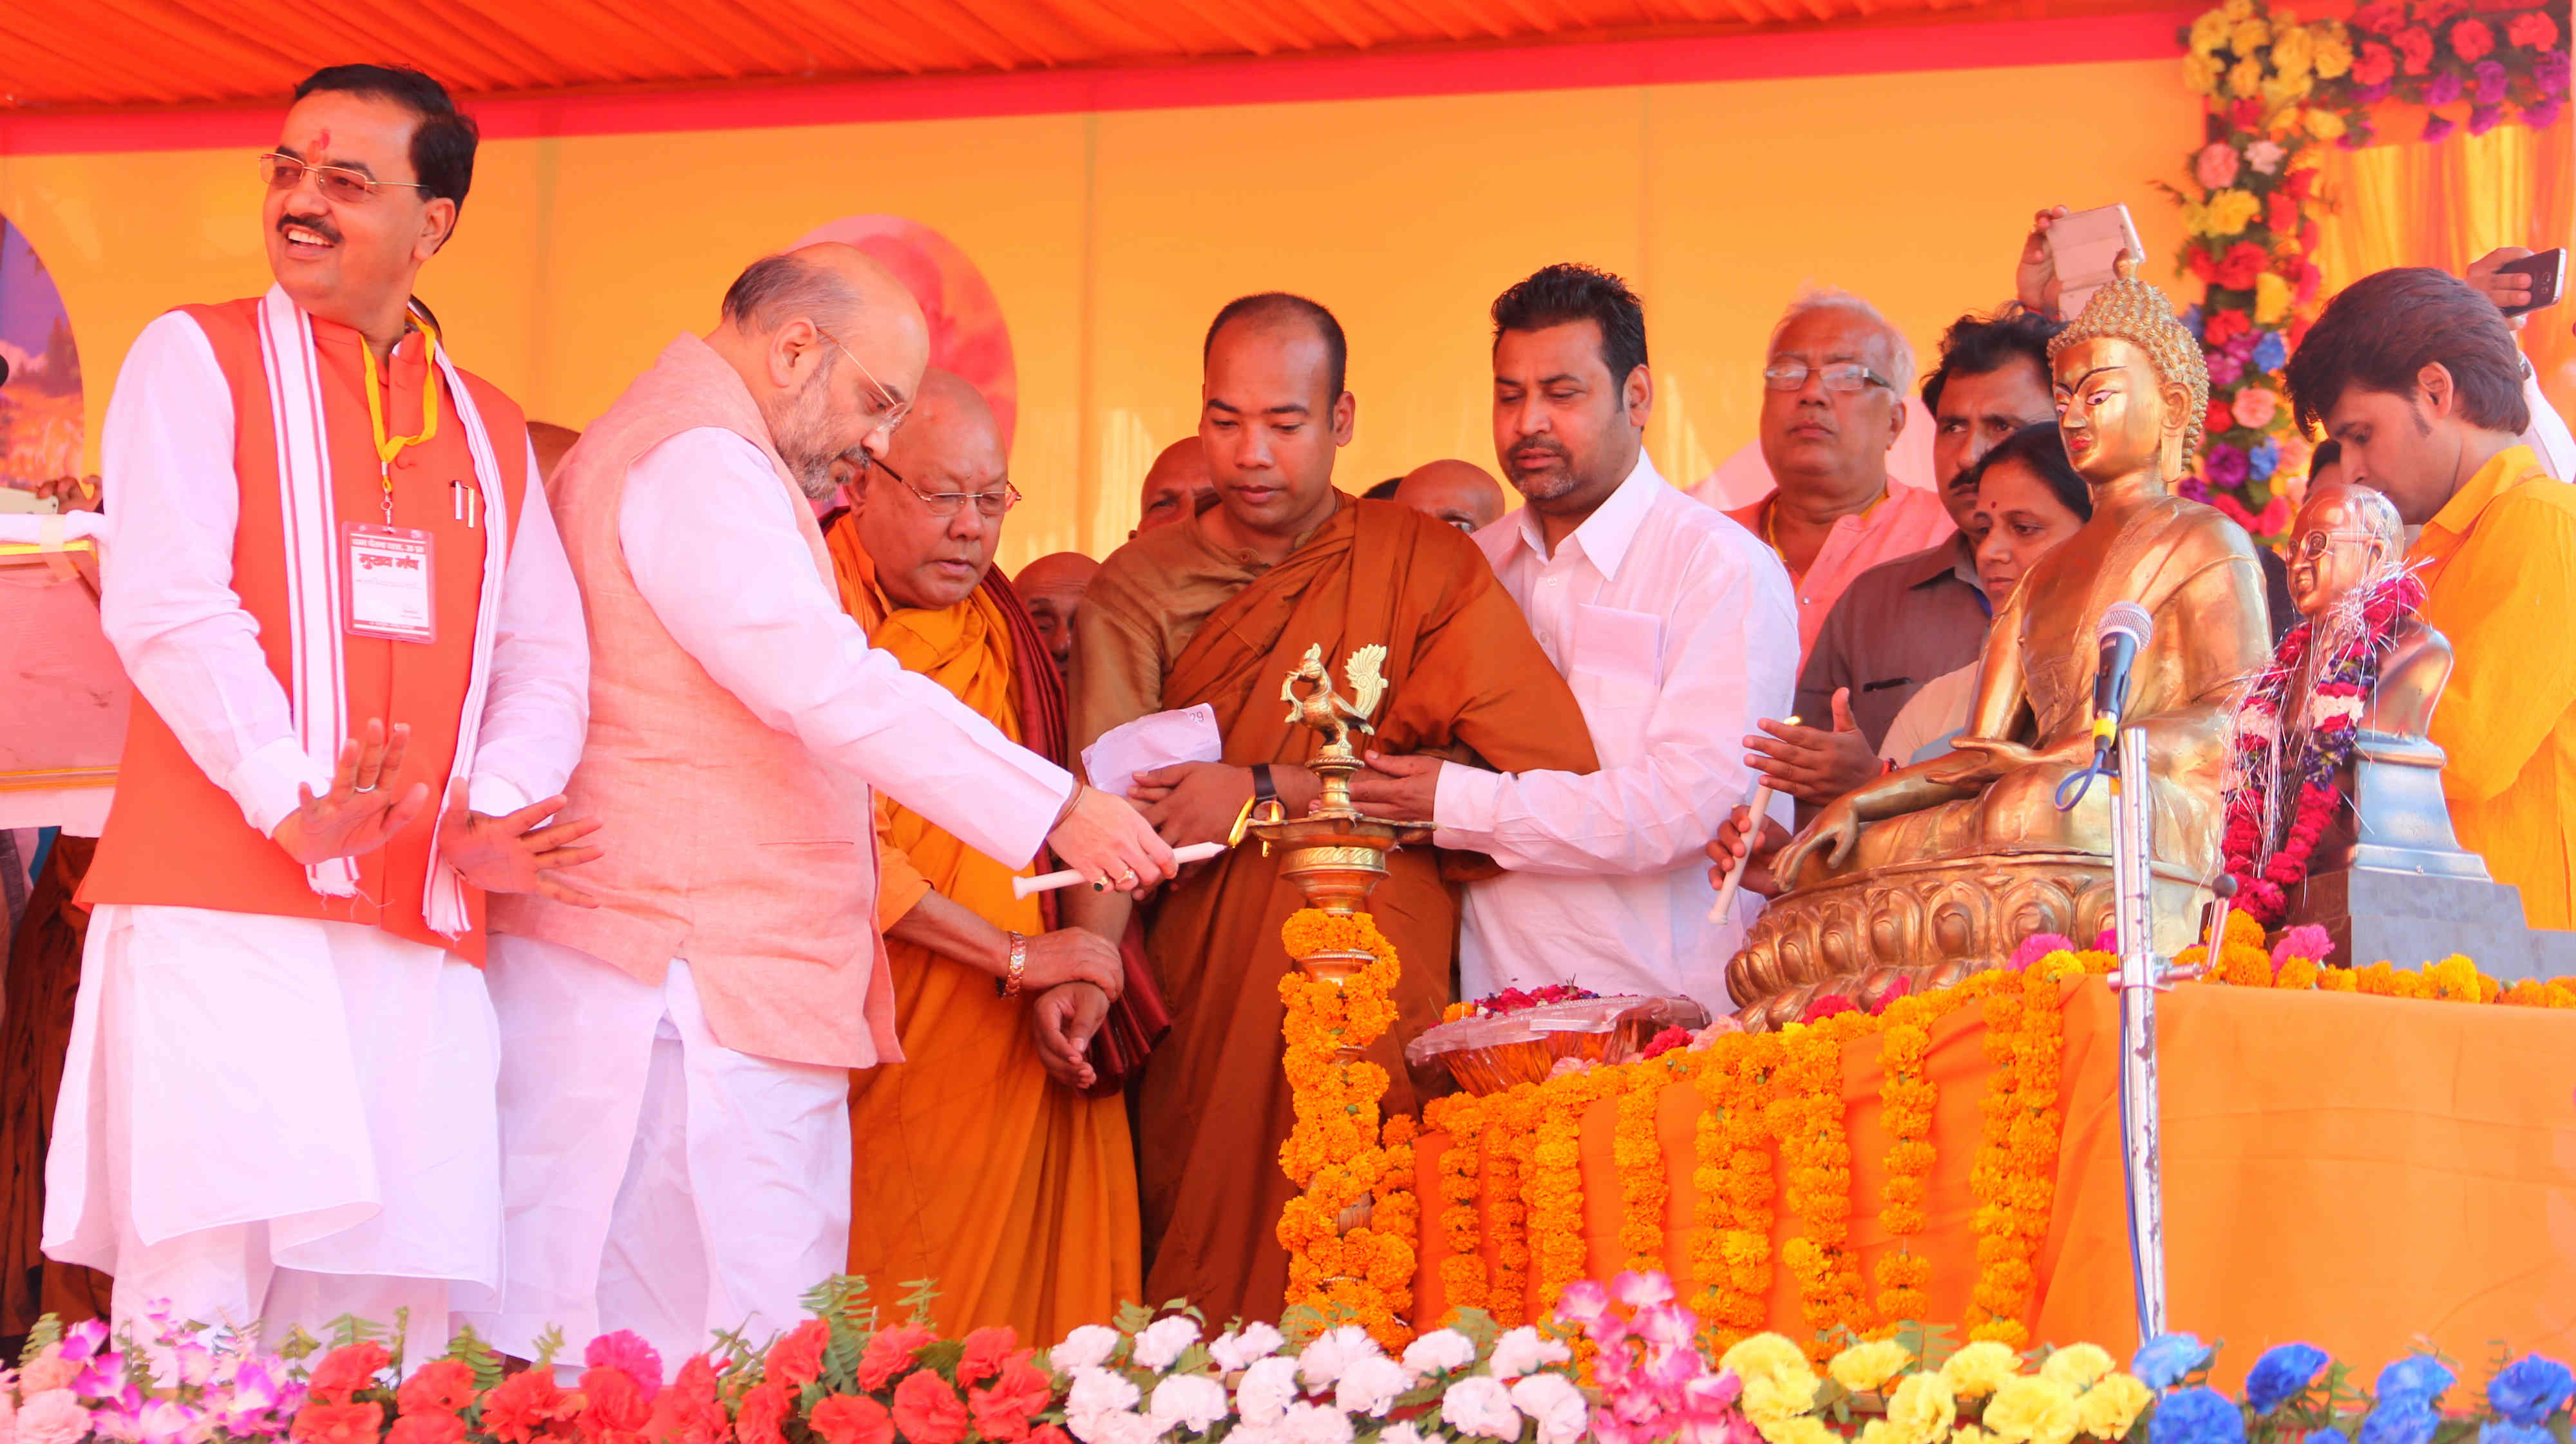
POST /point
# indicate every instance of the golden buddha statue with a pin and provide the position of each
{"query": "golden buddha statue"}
(1942, 868)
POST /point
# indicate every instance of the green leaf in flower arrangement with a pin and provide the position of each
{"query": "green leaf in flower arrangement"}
(349, 1330)
(1931, 1343)
(47, 1333)
(1479, 1327)
(476, 1353)
(1303, 1325)
(549, 1344)
(1131, 1318)
(918, 1296)
(943, 1356)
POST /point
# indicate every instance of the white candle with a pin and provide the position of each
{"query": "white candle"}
(1050, 881)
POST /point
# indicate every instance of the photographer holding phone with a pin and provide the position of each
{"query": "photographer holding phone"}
(2548, 436)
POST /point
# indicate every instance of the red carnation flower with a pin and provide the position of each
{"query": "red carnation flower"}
(2384, 16)
(689, 1411)
(615, 1404)
(890, 1353)
(2226, 326)
(762, 1410)
(2247, 114)
(527, 1406)
(2243, 262)
(2281, 213)
(2375, 65)
(430, 1428)
(2414, 48)
(796, 1359)
(2532, 30)
(343, 1372)
(1003, 1411)
(2219, 418)
(986, 1351)
(928, 1411)
(852, 1419)
(442, 1386)
(339, 1423)
(1827, 1005)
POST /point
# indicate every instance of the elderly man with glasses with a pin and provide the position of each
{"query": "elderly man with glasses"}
(675, 1085)
(970, 1165)
(1833, 402)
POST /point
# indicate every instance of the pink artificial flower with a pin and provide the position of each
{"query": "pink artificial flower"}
(2307, 940)
(626, 1352)
(49, 1371)
(2266, 156)
(2215, 166)
(1638, 1291)
(1706, 1038)
(2038, 946)
(2255, 407)
(53, 1416)
(1668, 1325)
(1584, 1303)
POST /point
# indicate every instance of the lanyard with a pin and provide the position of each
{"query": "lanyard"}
(389, 447)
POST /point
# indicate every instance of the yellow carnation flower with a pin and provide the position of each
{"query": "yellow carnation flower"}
(2294, 50)
(2333, 52)
(2236, 10)
(2208, 32)
(1970, 1434)
(1763, 1356)
(2112, 1405)
(2231, 210)
(1879, 1431)
(2031, 1410)
(1978, 1368)
(2249, 36)
(1922, 1409)
(1772, 1401)
(2076, 1366)
(2245, 78)
(1801, 1430)
(2271, 299)
(2195, 222)
(1862, 1368)
(2325, 124)
(2282, 90)
(2200, 73)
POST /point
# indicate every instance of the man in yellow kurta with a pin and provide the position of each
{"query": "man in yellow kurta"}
(1014, 1193)
(2417, 375)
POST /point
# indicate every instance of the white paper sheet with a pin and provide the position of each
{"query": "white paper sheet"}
(1157, 739)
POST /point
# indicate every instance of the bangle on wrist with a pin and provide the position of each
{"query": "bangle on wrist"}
(1008, 985)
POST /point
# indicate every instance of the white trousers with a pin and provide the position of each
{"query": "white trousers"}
(654, 1179)
(277, 1119)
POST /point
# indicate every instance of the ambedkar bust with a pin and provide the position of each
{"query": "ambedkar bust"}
(1942, 868)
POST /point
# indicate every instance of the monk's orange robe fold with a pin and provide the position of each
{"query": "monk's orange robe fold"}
(969, 1166)
(1464, 674)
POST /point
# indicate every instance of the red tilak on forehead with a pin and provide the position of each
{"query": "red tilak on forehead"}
(322, 144)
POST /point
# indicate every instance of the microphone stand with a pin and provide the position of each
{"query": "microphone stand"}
(2141, 975)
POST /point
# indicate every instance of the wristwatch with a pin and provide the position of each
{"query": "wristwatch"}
(1009, 986)
(1263, 789)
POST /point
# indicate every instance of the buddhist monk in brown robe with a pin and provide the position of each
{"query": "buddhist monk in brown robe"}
(43, 970)
(1218, 609)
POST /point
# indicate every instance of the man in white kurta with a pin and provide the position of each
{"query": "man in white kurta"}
(278, 1101)
(1676, 629)
(675, 1079)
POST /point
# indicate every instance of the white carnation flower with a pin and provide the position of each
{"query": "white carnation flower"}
(1267, 1388)
(1370, 1386)
(1481, 1406)
(1315, 1424)
(1192, 1401)
(1164, 1341)
(1087, 1347)
(1440, 1352)
(1563, 1415)
(1326, 1358)
(1522, 1351)
(1238, 1351)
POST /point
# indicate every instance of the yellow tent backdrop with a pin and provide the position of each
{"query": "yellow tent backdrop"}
(1108, 237)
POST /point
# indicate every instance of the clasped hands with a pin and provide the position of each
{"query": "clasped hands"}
(367, 807)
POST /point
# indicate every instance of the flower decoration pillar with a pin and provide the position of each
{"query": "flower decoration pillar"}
(1349, 1234)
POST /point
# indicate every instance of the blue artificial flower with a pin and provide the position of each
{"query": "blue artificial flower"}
(2198, 1415)
(2271, 353)
(2325, 1436)
(2263, 460)
(2531, 1389)
(2162, 1361)
(2283, 1372)
(2404, 1420)
(2514, 1434)
(2191, 322)
(2418, 1378)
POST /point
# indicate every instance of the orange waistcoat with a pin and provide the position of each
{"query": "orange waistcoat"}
(724, 841)
(174, 838)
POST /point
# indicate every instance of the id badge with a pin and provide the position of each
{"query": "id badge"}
(389, 582)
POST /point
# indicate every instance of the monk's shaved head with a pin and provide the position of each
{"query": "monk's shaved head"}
(831, 346)
(1177, 486)
(1460, 493)
(1052, 588)
(1272, 414)
(951, 447)
(1280, 309)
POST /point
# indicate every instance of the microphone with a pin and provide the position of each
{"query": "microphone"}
(2126, 629)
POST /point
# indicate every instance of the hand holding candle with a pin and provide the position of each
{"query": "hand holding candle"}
(1050, 881)
(1755, 811)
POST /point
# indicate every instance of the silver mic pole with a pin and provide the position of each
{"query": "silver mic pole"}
(2132, 812)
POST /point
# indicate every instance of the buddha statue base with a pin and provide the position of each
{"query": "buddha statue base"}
(1931, 923)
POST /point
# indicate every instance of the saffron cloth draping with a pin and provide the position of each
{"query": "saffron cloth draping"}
(2354, 1171)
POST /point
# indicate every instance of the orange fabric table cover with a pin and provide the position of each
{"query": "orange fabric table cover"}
(2354, 1171)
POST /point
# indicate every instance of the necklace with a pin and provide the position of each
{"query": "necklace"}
(389, 447)
(2304, 755)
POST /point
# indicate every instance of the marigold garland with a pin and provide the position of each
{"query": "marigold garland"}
(1907, 1101)
(1645, 1190)
(1807, 1116)
(1339, 1151)
(1461, 1117)
(1552, 1188)
(1508, 1143)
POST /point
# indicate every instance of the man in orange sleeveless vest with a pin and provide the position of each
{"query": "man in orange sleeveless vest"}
(675, 1085)
(279, 1098)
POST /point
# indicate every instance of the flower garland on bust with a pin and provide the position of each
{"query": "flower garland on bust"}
(1338, 1152)
(2260, 773)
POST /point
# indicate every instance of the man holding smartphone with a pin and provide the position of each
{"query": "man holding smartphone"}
(2548, 436)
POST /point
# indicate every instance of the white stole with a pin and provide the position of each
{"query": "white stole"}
(317, 678)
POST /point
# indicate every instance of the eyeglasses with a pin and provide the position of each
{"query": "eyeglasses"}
(336, 182)
(1838, 376)
(890, 411)
(944, 504)
(2314, 544)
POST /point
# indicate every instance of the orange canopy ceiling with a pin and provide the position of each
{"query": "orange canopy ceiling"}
(122, 54)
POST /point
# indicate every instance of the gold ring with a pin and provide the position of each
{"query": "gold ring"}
(1127, 879)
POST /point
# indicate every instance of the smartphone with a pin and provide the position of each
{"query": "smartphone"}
(2548, 273)
(2084, 245)
(13, 500)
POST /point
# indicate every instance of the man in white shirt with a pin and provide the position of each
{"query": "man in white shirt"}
(2547, 436)
(675, 1087)
(1676, 628)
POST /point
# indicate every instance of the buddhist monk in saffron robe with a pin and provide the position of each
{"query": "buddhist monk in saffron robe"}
(1015, 1194)
(1218, 609)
